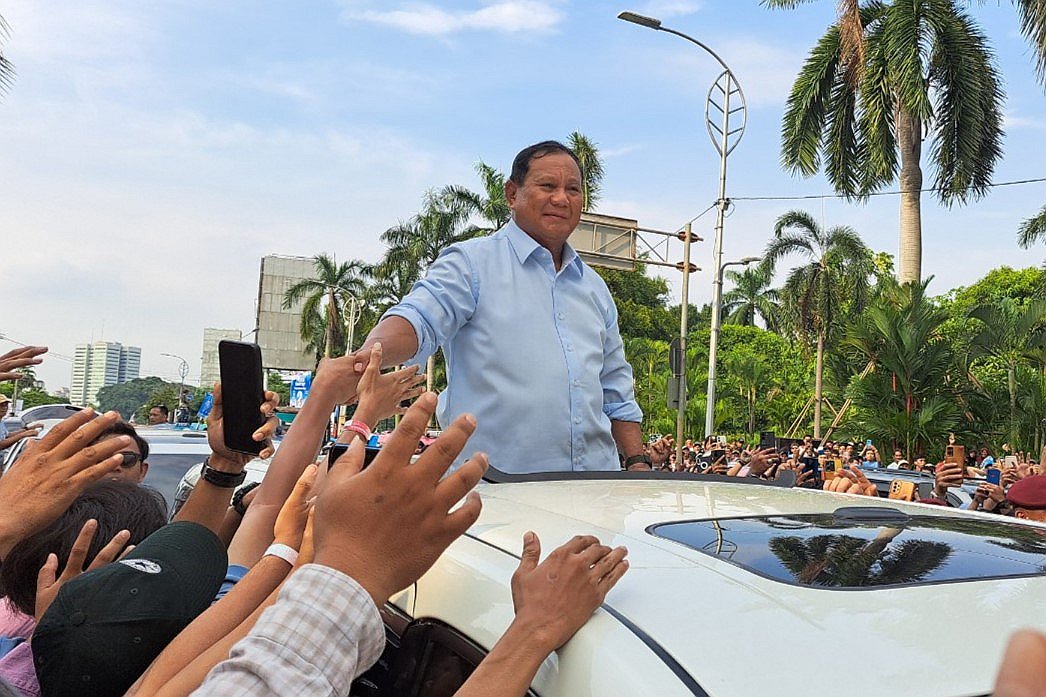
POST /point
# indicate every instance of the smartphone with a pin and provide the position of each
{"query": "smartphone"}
(1010, 460)
(240, 364)
(717, 454)
(902, 490)
(810, 464)
(721, 440)
(767, 439)
(369, 453)
(993, 475)
(868, 443)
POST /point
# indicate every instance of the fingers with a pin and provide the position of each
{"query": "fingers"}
(374, 364)
(439, 456)
(127, 550)
(74, 566)
(455, 487)
(464, 517)
(608, 563)
(351, 463)
(302, 488)
(111, 551)
(48, 573)
(577, 544)
(593, 553)
(78, 440)
(404, 440)
(613, 576)
(531, 555)
(88, 474)
(97, 453)
(65, 427)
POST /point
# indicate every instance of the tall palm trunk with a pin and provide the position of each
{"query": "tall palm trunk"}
(909, 141)
(818, 384)
(1011, 385)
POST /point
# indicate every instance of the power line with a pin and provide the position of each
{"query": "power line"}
(898, 192)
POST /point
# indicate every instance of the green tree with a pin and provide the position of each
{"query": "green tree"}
(911, 398)
(924, 70)
(640, 301)
(591, 169)
(491, 205)
(1014, 336)
(833, 280)
(751, 296)
(275, 383)
(330, 294)
(128, 397)
(1032, 230)
(750, 376)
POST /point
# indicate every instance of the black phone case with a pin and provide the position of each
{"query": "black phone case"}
(242, 395)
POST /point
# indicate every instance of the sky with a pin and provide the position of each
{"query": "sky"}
(152, 153)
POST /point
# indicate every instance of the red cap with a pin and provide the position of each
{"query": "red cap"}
(1029, 493)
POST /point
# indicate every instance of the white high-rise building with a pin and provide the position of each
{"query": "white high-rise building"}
(99, 365)
(209, 370)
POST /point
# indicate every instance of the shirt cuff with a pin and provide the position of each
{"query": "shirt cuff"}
(623, 411)
(426, 341)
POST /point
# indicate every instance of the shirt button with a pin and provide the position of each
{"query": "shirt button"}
(570, 348)
(561, 315)
(577, 383)
(577, 419)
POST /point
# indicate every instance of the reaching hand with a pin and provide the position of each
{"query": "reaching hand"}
(555, 598)
(947, 474)
(19, 358)
(290, 523)
(386, 526)
(216, 430)
(659, 450)
(48, 583)
(58, 468)
(762, 460)
(381, 394)
(851, 481)
(1023, 670)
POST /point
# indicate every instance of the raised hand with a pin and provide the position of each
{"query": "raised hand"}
(48, 583)
(19, 358)
(386, 526)
(380, 394)
(216, 430)
(851, 481)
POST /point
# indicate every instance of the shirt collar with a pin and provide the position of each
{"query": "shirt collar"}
(524, 246)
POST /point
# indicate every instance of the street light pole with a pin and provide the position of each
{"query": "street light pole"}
(681, 410)
(183, 370)
(724, 90)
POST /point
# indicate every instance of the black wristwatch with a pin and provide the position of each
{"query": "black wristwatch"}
(636, 459)
(225, 480)
(237, 498)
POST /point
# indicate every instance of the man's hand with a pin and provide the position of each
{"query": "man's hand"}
(46, 479)
(386, 526)
(659, 450)
(947, 474)
(228, 459)
(1023, 670)
(48, 583)
(991, 495)
(380, 394)
(718, 467)
(19, 358)
(555, 598)
(851, 481)
(762, 460)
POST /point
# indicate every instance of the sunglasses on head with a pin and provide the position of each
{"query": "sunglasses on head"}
(129, 459)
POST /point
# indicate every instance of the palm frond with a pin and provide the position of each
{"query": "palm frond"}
(1033, 229)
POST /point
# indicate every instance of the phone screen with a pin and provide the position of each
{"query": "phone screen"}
(717, 454)
(767, 439)
(242, 395)
(993, 475)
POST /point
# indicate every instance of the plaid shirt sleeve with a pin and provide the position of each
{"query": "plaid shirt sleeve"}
(322, 632)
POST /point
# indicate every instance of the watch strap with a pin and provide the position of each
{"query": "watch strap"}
(637, 459)
(237, 498)
(224, 480)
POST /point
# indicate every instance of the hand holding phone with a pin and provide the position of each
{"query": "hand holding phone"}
(242, 397)
(993, 475)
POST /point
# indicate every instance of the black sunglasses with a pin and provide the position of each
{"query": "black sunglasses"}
(129, 459)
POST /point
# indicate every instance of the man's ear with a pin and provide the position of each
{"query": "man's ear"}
(145, 470)
(511, 189)
(1023, 515)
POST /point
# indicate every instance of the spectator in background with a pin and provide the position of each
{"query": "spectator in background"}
(898, 458)
(135, 456)
(158, 415)
(985, 460)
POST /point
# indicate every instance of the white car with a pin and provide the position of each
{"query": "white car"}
(735, 589)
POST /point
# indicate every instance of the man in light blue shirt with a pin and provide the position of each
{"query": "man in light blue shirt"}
(529, 332)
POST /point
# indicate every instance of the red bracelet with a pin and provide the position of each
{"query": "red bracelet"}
(359, 427)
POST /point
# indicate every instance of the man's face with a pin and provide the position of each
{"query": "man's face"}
(156, 417)
(897, 455)
(1037, 515)
(133, 470)
(3, 409)
(548, 204)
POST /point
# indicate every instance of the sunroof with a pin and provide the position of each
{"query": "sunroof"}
(854, 552)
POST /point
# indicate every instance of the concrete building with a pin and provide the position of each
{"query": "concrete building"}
(279, 329)
(209, 370)
(99, 365)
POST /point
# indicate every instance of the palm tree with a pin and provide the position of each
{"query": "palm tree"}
(1014, 336)
(7, 69)
(1032, 230)
(419, 241)
(591, 169)
(751, 296)
(752, 377)
(834, 276)
(491, 205)
(909, 398)
(649, 361)
(925, 71)
(337, 289)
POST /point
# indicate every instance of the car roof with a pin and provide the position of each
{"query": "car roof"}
(711, 615)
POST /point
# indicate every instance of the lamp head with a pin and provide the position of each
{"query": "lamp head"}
(750, 260)
(640, 20)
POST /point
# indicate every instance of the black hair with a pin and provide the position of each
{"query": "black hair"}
(122, 428)
(115, 505)
(163, 408)
(521, 165)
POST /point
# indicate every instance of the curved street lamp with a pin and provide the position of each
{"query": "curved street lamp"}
(183, 370)
(725, 137)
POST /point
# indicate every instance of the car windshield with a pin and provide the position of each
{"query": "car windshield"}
(166, 470)
(845, 552)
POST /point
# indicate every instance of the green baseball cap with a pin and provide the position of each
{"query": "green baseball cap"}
(106, 626)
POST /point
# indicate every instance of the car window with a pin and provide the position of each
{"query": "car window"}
(166, 470)
(846, 551)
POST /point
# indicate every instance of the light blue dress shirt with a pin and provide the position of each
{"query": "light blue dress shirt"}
(533, 353)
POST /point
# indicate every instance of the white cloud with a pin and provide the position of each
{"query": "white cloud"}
(663, 9)
(620, 151)
(1013, 120)
(507, 16)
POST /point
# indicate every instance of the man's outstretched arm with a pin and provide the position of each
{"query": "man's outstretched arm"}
(398, 342)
